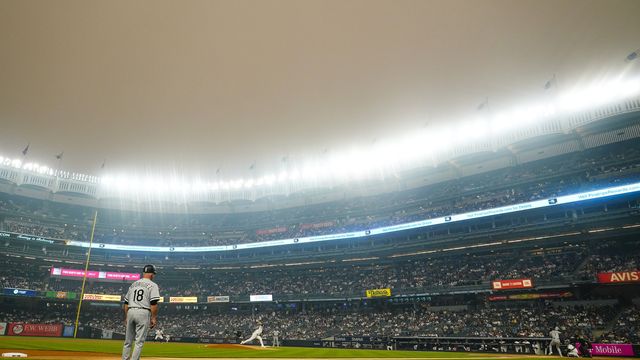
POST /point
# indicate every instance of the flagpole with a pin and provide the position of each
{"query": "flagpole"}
(25, 152)
(59, 157)
(555, 79)
(86, 269)
(488, 108)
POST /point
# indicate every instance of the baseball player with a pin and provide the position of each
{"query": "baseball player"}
(256, 335)
(555, 341)
(159, 335)
(276, 340)
(140, 311)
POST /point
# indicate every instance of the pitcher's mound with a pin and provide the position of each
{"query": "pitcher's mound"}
(237, 346)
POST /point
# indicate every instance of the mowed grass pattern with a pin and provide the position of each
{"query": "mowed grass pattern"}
(184, 350)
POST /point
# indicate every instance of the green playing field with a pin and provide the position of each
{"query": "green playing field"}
(60, 348)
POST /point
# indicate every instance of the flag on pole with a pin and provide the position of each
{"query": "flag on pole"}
(632, 56)
(550, 83)
(59, 156)
(26, 150)
(483, 104)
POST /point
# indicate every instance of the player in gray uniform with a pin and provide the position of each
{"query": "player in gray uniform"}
(555, 341)
(140, 312)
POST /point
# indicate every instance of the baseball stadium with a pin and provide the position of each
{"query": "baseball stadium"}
(319, 179)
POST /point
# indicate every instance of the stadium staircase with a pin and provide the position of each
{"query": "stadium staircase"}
(581, 266)
(609, 325)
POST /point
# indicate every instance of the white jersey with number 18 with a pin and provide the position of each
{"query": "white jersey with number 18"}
(141, 293)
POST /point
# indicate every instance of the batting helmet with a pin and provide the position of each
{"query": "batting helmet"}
(149, 269)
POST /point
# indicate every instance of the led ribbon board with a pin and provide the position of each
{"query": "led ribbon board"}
(560, 200)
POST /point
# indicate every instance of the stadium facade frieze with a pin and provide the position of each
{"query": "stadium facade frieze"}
(87, 190)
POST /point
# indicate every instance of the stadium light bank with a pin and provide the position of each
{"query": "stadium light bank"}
(382, 159)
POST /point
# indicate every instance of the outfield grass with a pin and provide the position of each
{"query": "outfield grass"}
(201, 350)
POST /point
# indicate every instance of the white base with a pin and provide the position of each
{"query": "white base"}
(14, 355)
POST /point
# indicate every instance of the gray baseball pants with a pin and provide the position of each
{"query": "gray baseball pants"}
(138, 321)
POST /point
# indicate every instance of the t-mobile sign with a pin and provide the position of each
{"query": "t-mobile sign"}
(105, 275)
(611, 349)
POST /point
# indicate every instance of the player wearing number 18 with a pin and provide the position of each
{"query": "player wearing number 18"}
(140, 312)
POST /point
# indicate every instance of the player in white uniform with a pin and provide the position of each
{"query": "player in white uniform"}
(141, 312)
(159, 335)
(276, 338)
(572, 351)
(555, 341)
(256, 335)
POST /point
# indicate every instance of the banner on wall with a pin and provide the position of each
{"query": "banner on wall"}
(3, 328)
(183, 299)
(104, 275)
(511, 284)
(277, 230)
(68, 331)
(378, 293)
(102, 297)
(23, 329)
(610, 349)
(532, 296)
(319, 225)
(266, 297)
(60, 295)
(20, 292)
(619, 277)
(217, 299)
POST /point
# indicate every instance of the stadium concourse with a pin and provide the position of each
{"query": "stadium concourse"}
(492, 284)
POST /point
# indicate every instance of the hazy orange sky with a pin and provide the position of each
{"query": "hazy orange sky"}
(197, 85)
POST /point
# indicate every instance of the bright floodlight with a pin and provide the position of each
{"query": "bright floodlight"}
(388, 156)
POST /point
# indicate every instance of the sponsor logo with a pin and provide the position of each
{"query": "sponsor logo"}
(183, 299)
(101, 297)
(378, 293)
(19, 292)
(512, 284)
(94, 274)
(531, 296)
(612, 349)
(267, 297)
(619, 277)
(215, 299)
(34, 329)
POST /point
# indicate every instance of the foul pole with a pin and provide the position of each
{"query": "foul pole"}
(84, 277)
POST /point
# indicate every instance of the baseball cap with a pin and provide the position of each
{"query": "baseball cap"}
(149, 269)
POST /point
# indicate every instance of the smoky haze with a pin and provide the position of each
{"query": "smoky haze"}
(193, 86)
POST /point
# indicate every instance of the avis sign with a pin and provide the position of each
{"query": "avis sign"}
(619, 277)
(512, 284)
